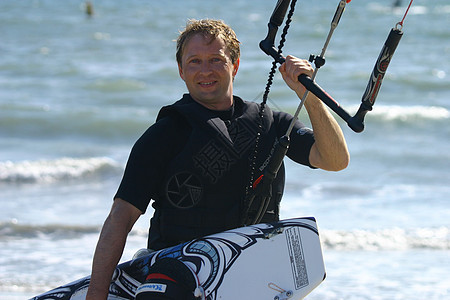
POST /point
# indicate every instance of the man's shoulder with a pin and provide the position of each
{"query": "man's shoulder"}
(175, 109)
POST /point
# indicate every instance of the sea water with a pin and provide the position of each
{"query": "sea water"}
(77, 91)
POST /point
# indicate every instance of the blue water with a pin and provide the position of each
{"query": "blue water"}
(76, 92)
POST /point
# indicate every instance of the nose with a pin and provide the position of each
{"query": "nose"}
(205, 67)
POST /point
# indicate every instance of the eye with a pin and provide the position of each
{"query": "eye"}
(194, 61)
(216, 59)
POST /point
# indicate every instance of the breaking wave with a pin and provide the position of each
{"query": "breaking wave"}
(387, 239)
(354, 240)
(13, 230)
(55, 170)
(405, 113)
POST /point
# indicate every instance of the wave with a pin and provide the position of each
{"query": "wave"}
(437, 238)
(408, 113)
(387, 239)
(101, 122)
(388, 9)
(118, 85)
(55, 170)
(13, 230)
(414, 10)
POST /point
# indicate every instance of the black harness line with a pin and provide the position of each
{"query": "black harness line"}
(261, 188)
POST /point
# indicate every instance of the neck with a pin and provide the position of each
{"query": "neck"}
(219, 105)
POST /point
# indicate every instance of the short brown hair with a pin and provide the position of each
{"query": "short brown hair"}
(209, 28)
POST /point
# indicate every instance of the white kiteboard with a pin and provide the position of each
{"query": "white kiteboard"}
(281, 260)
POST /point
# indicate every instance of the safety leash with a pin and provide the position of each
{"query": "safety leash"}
(256, 188)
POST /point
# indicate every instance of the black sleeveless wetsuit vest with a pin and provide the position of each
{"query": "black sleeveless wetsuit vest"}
(204, 184)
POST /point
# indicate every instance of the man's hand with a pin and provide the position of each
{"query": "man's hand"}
(329, 151)
(291, 69)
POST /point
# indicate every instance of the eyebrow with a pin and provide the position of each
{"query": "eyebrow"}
(220, 54)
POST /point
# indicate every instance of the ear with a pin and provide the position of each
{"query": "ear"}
(180, 71)
(236, 67)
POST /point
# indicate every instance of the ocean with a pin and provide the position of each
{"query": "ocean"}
(77, 91)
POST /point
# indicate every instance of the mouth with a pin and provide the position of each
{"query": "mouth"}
(207, 84)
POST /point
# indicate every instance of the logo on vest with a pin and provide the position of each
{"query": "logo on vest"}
(184, 190)
(152, 287)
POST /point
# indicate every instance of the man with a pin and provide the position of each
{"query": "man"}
(200, 157)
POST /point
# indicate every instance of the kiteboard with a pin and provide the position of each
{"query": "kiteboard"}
(280, 260)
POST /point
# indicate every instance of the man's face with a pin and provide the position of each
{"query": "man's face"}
(208, 72)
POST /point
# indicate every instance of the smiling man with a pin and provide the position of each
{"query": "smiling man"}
(208, 71)
(199, 160)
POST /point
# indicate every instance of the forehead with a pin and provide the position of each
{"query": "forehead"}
(204, 44)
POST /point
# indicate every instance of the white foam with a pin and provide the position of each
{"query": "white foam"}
(387, 239)
(406, 113)
(53, 170)
(396, 112)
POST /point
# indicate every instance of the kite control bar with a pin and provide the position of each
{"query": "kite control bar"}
(356, 123)
(262, 187)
